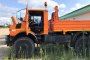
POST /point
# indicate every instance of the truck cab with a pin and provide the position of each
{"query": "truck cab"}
(35, 22)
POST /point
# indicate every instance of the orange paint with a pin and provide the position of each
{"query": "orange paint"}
(53, 25)
(68, 25)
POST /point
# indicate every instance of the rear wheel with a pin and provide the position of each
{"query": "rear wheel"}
(24, 47)
(82, 46)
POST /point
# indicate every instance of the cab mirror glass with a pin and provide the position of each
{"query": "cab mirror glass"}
(18, 15)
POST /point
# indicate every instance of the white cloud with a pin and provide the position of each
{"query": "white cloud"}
(5, 20)
(77, 6)
(62, 6)
(6, 11)
(40, 4)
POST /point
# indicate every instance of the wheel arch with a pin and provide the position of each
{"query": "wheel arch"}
(23, 34)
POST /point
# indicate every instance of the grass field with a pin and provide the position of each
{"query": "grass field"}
(46, 52)
(51, 52)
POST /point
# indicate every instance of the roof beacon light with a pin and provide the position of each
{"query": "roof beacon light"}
(45, 4)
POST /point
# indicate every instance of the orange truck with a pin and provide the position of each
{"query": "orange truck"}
(36, 28)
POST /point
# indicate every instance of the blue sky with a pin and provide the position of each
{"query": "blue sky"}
(8, 8)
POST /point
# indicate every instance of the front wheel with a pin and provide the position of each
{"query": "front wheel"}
(24, 47)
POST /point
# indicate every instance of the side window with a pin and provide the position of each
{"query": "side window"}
(36, 19)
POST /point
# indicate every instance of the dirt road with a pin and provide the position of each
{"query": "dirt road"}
(3, 46)
(4, 31)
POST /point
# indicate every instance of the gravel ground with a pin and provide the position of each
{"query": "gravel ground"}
(3, 48)
(4, 31)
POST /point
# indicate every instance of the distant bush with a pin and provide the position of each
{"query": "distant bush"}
(4, 26)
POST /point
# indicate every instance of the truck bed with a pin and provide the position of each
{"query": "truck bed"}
(70, 25)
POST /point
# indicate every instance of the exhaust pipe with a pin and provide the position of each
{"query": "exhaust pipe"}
(14, 20)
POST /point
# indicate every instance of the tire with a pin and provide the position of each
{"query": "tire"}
(24, 47)
(75, 37)
(88, 42)
(82, 46)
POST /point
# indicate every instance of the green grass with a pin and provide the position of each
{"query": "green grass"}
(50, 52)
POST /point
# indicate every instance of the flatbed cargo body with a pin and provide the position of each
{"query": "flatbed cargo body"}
(69, 25)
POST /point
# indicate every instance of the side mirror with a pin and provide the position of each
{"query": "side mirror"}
(18, 15)
(21, 19)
